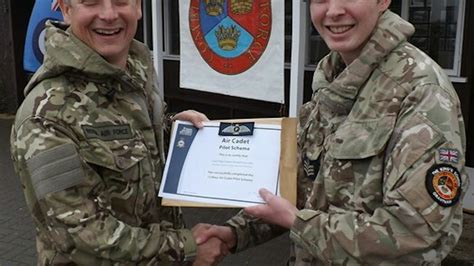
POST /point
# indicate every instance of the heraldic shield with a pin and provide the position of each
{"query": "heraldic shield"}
(231, 35)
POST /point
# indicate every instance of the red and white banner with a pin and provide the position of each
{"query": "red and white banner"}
(233, 47)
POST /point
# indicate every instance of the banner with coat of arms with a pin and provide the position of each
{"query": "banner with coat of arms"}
(233, 47)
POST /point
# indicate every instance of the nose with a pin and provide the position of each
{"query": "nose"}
(335, 8)
(108, 10)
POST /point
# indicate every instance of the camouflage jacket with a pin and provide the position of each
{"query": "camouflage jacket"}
(87, 145)
(383, 139)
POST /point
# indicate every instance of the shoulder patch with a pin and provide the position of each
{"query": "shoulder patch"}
(443, 183)
(448, 155)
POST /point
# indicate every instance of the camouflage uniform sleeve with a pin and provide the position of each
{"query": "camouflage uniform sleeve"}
(251, 231)
(71, 205)
(411, 225)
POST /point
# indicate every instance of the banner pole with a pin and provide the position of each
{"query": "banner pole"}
(157, 15)
(298, 48)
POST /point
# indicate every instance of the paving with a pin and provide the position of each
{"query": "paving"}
(17, 235)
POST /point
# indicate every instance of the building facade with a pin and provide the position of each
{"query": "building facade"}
(444, 30)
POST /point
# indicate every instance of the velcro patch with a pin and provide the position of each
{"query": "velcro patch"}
(55, 170)
(111, 132)
(443, 183)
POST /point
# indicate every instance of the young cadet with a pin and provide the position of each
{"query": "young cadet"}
(383, 139)
(87, 144)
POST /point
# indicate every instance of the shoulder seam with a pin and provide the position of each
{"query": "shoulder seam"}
(21, 118)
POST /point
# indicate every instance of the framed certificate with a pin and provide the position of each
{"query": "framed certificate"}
(226, 163)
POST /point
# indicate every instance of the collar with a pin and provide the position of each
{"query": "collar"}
(341, 83)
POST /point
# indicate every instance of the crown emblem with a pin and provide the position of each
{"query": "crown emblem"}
(241, 7)
(227, 38)
(214, 7)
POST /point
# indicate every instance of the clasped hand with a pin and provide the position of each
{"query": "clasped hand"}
(214, 243)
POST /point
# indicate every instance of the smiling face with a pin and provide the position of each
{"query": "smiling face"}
(346, 25)
(107, 26)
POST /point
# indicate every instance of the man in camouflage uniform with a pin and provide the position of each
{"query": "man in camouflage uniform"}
(87, 144)
(383, 139)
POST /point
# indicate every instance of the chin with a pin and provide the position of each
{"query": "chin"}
(109, 54)
(341, 48)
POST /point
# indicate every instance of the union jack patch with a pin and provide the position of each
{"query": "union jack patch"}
(448, 155)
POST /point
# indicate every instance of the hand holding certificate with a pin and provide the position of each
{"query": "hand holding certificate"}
(223, 163)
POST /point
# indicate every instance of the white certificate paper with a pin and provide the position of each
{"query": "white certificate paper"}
(204, 167)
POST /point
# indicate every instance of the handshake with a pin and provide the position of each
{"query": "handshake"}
(214, 243)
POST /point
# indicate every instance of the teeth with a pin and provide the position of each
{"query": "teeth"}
(339, 29)
(107, 32)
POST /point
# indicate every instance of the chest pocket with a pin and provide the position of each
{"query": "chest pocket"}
(352, 168)
(119, 156)
(361, 139)
(123, 166)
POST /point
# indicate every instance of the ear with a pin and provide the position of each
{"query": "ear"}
(139, 8)
(384, 4)
(66, 11)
